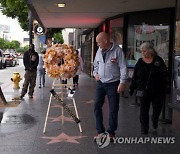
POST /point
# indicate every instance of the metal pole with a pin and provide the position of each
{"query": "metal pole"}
(164, 120)
(30, 26)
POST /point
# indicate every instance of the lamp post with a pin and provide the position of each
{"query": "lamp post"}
(30, 26)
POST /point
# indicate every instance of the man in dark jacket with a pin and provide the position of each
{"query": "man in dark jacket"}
(30, 60)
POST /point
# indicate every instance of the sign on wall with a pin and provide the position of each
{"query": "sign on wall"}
(145, 34)
(38, 30)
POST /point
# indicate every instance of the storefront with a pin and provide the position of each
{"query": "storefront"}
(130, 30)
(175, 103)
(157, 27)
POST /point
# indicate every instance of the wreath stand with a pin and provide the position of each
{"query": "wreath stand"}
(63, 90)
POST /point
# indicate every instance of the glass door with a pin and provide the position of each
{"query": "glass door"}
(158, 35)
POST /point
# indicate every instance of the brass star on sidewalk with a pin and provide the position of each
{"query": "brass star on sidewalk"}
(63, 138)
(89, 101)
(55, 119)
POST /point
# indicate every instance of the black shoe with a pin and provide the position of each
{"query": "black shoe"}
(144, 132)
(112, 137)
(39, 86)
(155, 125)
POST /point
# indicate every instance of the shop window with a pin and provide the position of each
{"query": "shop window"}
(116, 31)
(176, 66)
(141, 27)
(156, 34)
(175, 103)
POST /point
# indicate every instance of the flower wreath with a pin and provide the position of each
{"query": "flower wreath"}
(60, 61)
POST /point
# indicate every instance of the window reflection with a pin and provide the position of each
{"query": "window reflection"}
(116, 31)
(137, 34)
(176, 72)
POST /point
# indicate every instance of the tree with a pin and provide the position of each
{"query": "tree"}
(14, 44)
(58, 37)
(2, 43)
(19, 9)
(16, 9)
(23, 49)
(50, 32)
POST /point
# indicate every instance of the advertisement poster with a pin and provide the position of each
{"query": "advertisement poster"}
(145, 34)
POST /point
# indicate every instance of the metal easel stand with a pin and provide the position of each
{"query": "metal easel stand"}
(61, 86)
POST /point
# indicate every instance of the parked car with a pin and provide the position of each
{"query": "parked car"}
(10, 60)
(16, 59)
(2, 60)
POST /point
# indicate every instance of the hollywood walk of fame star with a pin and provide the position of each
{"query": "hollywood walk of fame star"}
(55, 119)
(89, 101)
(60, 106)
(63, 138)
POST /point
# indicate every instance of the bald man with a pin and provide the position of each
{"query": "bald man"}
(110, 72)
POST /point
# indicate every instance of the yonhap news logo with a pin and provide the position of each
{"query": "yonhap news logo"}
(144, 140)
(103, 140)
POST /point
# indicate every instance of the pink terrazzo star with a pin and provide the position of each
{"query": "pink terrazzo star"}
(63, 138)
(55, 119)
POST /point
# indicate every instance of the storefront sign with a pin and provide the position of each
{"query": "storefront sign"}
(38, 30)
(145, 36)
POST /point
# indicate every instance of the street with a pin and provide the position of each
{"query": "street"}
(6, 74)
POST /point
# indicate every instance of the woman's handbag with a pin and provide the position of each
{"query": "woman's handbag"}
(140, 93)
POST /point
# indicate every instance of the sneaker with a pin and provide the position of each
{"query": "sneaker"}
(30, 96)
(21, 97)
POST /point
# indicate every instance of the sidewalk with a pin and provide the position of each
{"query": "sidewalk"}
(21, 128)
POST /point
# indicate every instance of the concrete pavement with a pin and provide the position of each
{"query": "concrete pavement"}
(21, 128)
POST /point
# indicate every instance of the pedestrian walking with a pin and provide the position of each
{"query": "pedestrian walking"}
(149, 80)
(110, 72)
(41, 69)
(80, 69)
